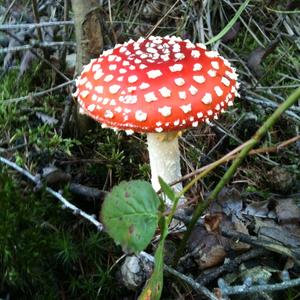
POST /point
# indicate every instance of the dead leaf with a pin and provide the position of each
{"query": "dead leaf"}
(9, 58)
(254, 60)
(229, 201)
(281, 180)
(288, 212)
(258, 55)
(4, 40)
(212, 222)
(208, 248)
(232, 33)
(211, 257)
(52, 176)
(239, 226)
(259, 209)
(46, 119)
(268, 229)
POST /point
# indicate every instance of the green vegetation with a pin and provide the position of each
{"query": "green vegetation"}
(46, 252)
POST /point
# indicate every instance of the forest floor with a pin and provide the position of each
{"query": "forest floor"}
(46, 252)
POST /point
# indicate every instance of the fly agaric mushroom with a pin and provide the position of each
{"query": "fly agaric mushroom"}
(158, 86)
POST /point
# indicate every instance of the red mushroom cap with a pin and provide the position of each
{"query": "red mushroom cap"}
(156, 84)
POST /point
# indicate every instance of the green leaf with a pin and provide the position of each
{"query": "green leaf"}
(229, 25)
(130, 214)
(167, 189)
(153, 288)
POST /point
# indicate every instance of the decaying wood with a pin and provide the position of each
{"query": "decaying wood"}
(86, 192)
(88, 31)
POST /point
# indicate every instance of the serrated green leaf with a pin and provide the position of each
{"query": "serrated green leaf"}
(153, 288)
(167, 189)
(130, 214)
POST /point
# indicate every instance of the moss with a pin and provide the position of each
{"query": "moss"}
(46, 252)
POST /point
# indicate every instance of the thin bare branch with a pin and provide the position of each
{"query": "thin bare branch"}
(269, 103)
(8, 11)
(233, 154)
(209, 275)
(35, 25)
(266, 244)
(191, 282)
(159, 21)
(38, 94)
(65, 203)
(37, 45)
(245, 289)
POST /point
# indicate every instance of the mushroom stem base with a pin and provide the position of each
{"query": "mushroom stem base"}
(164, 158)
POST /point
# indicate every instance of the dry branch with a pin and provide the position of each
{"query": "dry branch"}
(36, 45)
(65, 203)
(233, 154)
(244, 289)
(263, 243)
(38, 94)
(209, 275)
(34, 25)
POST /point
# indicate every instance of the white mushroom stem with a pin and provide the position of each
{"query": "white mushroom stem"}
(164, 158)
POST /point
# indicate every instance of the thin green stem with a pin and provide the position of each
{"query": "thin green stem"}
(230, 172)
(173, 210)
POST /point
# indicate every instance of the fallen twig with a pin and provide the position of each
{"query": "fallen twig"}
(86, 191)
(161, 19)
(245, 289)
(269, 103)
(38, 94)
(195, 285)
(65, 203)
(209, 275)
(233, 154)
(266, 244)
(37, 45)
(34, 25)
(262, 100)
(254, 141)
